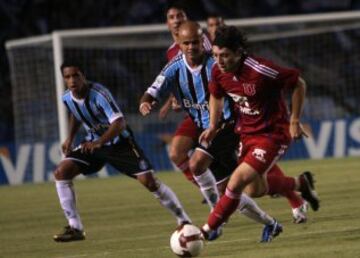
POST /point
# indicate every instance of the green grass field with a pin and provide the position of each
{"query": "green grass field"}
(123, 220)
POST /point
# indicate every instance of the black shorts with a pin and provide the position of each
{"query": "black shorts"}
(126, 156)
(223, 151)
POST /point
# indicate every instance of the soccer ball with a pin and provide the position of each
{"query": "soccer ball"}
(187, 241)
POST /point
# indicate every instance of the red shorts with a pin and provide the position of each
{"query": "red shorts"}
(188, 128)
(260, 152)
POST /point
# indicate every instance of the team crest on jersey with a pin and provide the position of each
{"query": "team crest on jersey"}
(259, 154)
(249, 89)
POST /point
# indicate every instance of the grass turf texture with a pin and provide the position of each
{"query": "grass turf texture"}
(123, 220)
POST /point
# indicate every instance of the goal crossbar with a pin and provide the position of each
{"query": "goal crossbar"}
(246, 22)
(55, 40)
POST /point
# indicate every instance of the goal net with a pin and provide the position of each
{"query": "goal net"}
(128, 59)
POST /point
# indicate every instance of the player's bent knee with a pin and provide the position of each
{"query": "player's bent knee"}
(199, 163)
(66, 170)
(173, 156)
(58, 175)
(149, 181)
(62, 173)
(194, 167)
(176, 156)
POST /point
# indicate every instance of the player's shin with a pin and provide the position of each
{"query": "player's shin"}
(280, 184)
(294, 200)
(250, 209)
(169, 200)
(227, 204)
(208, 188)
(67, 200)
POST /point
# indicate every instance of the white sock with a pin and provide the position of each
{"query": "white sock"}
(67, 199)
(250, 209)
(208, 188)
(169, 200)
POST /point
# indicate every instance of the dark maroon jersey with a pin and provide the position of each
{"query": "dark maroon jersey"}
(257, 88)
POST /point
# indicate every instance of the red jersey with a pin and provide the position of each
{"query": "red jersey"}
(257, 89)
(174, 49)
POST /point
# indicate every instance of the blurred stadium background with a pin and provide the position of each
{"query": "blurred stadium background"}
(124, 48)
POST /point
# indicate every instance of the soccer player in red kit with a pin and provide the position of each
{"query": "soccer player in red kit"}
(213, 21)
(265, 128)
(175, 15)
(186, 132)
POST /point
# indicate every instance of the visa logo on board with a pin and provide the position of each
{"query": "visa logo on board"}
(36, 162)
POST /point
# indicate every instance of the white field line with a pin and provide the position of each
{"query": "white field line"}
(216, 243)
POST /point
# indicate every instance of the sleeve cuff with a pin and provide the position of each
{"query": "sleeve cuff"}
(115, 116)
(152, 93)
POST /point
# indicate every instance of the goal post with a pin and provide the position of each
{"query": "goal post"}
(58, 60)
(127, 59)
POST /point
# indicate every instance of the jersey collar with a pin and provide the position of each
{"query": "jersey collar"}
(192, 70)
(81, 101)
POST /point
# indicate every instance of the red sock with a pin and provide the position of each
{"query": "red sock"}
(227, 204)
(281, 184)
(184, 167)
(294, 199)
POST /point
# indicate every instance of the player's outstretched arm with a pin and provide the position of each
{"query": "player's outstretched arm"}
(147, 102)
(297, 103)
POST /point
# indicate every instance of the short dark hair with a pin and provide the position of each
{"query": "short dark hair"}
(71, 63)
(175, 5)
(231, 38)
(215, 15)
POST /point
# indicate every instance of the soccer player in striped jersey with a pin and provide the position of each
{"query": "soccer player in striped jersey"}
(256, 85)
(175, 15)
(109, 140)
(182, 142)
(187, 77)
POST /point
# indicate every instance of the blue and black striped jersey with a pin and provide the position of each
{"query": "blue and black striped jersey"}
(96, 112)
(190, 87)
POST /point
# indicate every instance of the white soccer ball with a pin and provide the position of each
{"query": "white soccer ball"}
(187, 241)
